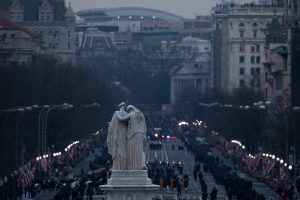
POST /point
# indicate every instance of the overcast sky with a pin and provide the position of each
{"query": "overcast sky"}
(185, 8)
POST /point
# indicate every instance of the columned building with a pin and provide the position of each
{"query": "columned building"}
(52, 19)
(193, 78)
(240, 41)
(188, 78)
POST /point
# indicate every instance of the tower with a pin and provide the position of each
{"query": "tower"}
(45, 11)
(16, 11)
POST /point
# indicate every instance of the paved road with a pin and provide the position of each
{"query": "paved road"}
(169, 155)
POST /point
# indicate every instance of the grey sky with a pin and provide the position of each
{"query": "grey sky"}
(185, 8)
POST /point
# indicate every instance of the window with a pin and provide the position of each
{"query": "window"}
(242, 47)
(69, 33)
(69, 46)
(252, 71)
(257, 71)
(255, 33)
(252, 59)
(56, 34)
(3, 37)
(242, 59)
(48, 18)
(278, 82)
(13, 35)
(252, 47)
(241, 25)
(42, 17)
(242, 71)
(252, 82)
(257, 48)
(241, 34)
(257, 59)
(242, 83)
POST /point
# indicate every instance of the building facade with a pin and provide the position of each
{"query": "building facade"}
(53, 20)
(18, 45)
(194, 76)
(277, 73)
(239, 43)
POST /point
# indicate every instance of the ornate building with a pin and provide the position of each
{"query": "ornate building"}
(239, 43)
(17, 44)
(52, 19)
(195, 76)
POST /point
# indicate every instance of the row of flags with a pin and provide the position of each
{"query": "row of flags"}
(28, 173)
(261, 167)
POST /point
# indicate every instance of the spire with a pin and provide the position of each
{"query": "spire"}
(69, 11)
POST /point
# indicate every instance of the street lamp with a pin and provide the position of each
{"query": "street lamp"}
(64, 106)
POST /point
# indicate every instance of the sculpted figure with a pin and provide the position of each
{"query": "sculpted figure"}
(136, 135)
(117, 139)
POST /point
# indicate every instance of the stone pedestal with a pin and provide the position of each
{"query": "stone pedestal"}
(129, 185)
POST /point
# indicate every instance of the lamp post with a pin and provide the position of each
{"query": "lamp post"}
(44, 108)
(42, 126)
(19, 110)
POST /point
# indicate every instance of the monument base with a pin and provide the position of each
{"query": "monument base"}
(129, 185)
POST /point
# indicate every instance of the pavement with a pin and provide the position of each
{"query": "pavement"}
(194, 191)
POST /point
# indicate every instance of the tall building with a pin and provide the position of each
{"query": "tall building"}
(239, 42)
(277, 71)
(200, 27)
(52, 19)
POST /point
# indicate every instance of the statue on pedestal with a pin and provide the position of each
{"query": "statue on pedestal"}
(117, 139)
(127, 130)
(126, 134)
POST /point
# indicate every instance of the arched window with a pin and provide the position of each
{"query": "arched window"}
(242, 25)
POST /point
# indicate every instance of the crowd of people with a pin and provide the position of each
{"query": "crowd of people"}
(87, 183)
(263, 168)
(169, 176)
(47, 172)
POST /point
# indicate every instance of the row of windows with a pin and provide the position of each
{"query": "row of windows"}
(201, 24)
(254, 71)
(253, 83)
(45, 16)
(254, 47)
(55, 34)
(253, 59)
(242, 25)
(55, 45)
(16, 16)
(242, 33)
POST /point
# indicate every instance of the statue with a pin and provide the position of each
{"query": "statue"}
(136, 134)
(117, 139)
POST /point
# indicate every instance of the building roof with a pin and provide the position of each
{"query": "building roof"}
(31, 8)
(189, 69)
(125, 12)
(8, 25)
